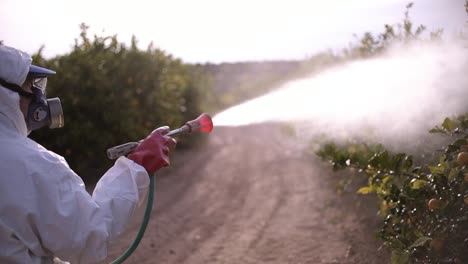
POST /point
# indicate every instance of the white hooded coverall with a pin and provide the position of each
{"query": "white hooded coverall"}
(45, 211)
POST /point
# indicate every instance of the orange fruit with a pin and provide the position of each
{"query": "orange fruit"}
(462, 158)
(437, 245)
(434, 204)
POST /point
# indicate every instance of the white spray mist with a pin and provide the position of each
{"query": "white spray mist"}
(395, 97)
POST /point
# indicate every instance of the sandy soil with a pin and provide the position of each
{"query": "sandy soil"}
(255, 195)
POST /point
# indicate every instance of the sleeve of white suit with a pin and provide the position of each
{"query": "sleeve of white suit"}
(79, 227)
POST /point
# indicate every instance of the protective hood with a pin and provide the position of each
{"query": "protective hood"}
(14, 67)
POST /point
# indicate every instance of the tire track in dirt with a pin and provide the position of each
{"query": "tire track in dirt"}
(252, 195)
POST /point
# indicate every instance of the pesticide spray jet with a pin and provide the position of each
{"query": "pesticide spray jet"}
(402, 93)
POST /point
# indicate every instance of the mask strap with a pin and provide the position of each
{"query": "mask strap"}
(16, 88)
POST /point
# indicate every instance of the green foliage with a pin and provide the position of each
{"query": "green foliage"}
(424, 207)
(404, 32)
(424, 204)
(452, 126)
(112, 94)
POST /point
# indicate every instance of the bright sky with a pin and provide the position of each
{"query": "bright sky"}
(216, 30)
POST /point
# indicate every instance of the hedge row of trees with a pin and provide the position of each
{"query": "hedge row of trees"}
(112, 94)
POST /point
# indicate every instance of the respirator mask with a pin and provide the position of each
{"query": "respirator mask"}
(41, 111)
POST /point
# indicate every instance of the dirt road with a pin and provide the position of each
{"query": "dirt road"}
(254, 195)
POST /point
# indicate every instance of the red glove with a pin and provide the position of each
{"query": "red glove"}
(153, 152)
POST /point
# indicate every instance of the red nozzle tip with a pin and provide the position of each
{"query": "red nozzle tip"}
(202, 124)
(206, 124)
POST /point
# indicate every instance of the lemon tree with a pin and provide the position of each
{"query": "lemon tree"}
(424, 207)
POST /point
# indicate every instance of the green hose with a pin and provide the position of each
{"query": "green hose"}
(141, 232)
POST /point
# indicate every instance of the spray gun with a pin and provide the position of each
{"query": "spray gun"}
(202, 124)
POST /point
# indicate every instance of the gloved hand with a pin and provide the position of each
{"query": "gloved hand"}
(153, 152)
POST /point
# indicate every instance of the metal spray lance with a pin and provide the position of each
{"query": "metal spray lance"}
(202, 124)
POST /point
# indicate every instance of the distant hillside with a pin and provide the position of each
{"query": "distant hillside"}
(237, 82)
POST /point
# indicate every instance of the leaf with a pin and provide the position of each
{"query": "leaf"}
(451, 149)
(420, 242)
(442, 162)
(438, 129)
(460, 142)
(386, 180)
(418, 184)
(397, 161)
(436, 169)
(448, 124)
(400, 257)
(408, 163)
(365, 190)
(453, 174)
(380, 160)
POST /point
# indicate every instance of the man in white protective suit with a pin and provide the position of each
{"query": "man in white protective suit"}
(45, 211)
